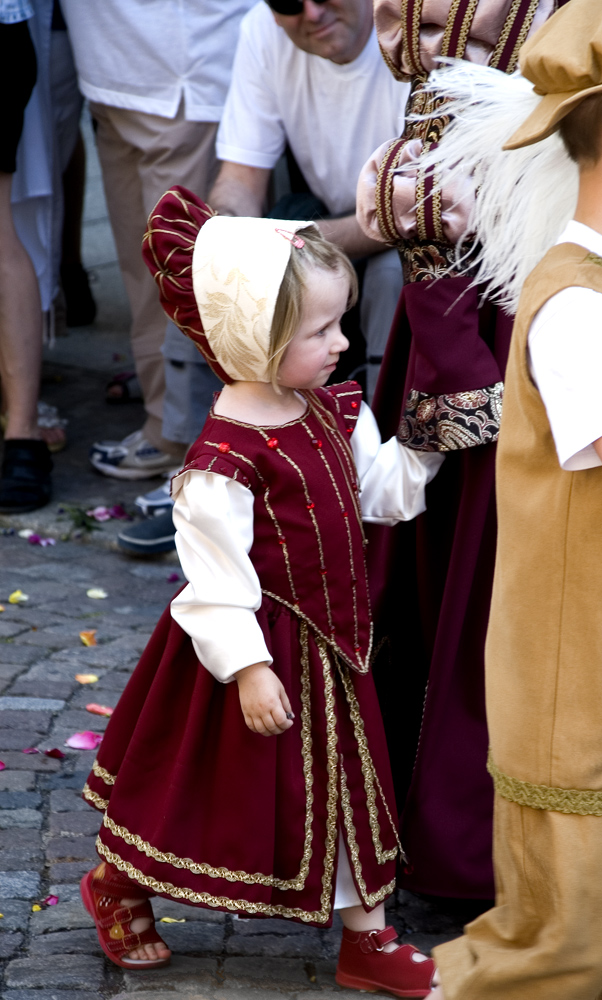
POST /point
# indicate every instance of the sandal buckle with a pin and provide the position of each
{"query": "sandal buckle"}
(375, 941)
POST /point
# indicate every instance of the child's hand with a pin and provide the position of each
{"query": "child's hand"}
(263, 700)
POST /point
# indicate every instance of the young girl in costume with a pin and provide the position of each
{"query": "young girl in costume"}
(272, 635)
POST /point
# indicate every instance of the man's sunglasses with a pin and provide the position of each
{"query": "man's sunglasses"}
(289, 8)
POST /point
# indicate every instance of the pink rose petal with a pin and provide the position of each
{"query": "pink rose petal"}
(173, 577)
(119, 512)
(32, 750)
(34, 539)
(84, 741)
(99, 514)
(50, 900)
(2, 765)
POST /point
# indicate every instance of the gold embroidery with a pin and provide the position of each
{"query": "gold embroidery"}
(505, 34)
(109, 779)
(94, 798)
(369, 898)
(369, 773)
(275, 910)
(464, 30)
(572, 801)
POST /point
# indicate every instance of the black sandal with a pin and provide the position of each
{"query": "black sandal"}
(25, 477)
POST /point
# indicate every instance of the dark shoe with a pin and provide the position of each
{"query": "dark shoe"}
(365, 965)
(147, 538)
(25, 478)
(80, 304)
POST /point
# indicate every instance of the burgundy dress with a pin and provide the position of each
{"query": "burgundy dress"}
(199, 808)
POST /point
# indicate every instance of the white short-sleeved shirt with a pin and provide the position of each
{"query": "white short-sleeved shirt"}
(565, 361)
(149, 55)
(333, 116)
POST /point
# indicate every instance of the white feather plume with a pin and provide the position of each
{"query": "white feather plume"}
(524, 197)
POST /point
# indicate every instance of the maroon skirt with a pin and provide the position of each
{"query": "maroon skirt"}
(200, 809)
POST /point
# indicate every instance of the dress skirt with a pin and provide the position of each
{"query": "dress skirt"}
(200, 809)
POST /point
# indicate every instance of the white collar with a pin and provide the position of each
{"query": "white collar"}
(583, 236)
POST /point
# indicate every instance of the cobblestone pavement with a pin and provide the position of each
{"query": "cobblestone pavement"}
(47, 831)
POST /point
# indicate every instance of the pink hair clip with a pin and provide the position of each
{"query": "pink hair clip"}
(292, 238)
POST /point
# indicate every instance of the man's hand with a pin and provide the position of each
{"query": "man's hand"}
(348, 235)
(239, 190)
(263, 700)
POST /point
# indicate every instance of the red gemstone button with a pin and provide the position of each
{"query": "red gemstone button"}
(350, 430)
(345, 514)
(354, 406)
(323, 572)
(316, 443)
(281, 541)
(310, 506)
(224, 447)
(272, 442)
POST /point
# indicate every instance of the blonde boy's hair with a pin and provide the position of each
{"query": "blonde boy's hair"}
(316, 252)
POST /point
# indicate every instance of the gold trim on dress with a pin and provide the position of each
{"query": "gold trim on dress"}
(571, 801)
(95, 799)
(109, 779)
(369, 774)
(369, 898)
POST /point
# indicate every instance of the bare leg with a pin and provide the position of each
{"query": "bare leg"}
(20, 326)
(356, 919)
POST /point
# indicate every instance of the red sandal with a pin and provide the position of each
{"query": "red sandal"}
(102, 890)
(365, 965)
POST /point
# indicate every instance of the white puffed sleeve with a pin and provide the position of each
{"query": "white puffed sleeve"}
(213, 517)
(392, 478)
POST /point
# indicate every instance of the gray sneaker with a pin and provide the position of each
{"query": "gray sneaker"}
(157, 501)
(149, 537)
(132, 458)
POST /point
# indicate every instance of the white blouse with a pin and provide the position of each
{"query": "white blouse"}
(565, 361)
(213, 516)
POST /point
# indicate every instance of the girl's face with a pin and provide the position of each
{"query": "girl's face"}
(313, 353)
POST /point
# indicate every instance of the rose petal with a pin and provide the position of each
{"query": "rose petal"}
(18, 597)
(99, 514)
(2, 765)
(173, 577)
(50, 900)
(1, 607)
(98, 709)
(96, 593)
(32, 750)
(55, 752)
(34, 539)
(26, 533)
(119, 512)
(172, 920)
(86, 678)
(88, 637)
(84, 741)
(47, 541)
(35, 908)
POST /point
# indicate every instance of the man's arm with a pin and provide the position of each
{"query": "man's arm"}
(240, 190)
(347, 234)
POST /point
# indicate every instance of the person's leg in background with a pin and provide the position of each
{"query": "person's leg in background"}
(141, 157)
(383, 281)
(189, 388)
(26, 466)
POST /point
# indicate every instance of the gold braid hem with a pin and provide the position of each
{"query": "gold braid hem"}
(571, 801)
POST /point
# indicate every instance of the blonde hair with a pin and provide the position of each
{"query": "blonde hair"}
(316, 252)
